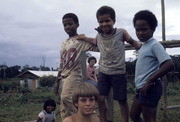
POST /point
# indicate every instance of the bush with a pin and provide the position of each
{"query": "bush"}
(9, 86)
(47, 81)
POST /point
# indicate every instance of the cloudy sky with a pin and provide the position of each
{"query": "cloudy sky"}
(31, 31)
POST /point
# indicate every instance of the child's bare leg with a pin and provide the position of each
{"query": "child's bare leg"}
(102, 108)
(124, 110)
(135, 111)
(149, 113)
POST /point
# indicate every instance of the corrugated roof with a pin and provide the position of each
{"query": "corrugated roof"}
(44, 73)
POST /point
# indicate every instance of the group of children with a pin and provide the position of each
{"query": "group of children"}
(78, 98)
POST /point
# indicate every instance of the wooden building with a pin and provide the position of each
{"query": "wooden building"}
(32, 77)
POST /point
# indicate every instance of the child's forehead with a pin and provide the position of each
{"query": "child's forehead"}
(105, 15)
(68, 20)
(80, 97)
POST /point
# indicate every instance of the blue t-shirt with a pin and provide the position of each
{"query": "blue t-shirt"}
(150, 57)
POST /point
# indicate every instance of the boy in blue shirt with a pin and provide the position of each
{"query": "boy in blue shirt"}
(152, 63)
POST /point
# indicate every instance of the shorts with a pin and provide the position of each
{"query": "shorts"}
(152, 96)
(67, 107)
(117, 82)
(92, 82)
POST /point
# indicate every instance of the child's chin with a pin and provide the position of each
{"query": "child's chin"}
(88, 113)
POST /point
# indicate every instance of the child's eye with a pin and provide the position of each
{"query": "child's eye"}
(107, 20)
(100, 21)
(92, 99)
(83, 100)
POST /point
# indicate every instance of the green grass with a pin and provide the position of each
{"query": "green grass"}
(18, 107)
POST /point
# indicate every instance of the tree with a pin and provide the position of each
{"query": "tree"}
(47, 81)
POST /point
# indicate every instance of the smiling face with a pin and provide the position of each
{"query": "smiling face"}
(106, 24)
(70, 26)
(86, 105)
(143, 30)
(49, 109)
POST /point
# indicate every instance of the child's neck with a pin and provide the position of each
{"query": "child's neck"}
(82, 118)
(73, 35)
(111, 33)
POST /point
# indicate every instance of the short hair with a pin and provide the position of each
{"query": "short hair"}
(49, 102)
(106, 10)
(147, 16)
(84, 89)
(73, 16)
(92, 58)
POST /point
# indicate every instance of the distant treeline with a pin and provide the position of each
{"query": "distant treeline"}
(13, 71)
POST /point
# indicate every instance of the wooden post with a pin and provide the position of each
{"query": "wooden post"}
(110, 106)
(83, 66)
(164, 78)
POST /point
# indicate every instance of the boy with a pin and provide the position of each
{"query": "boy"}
(91, 71)
(152, 63)
(84, 97)
(110, 42)
(70, 70)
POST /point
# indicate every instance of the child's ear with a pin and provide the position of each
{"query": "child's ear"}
(114, 21)
(76, 105)
(77, 25)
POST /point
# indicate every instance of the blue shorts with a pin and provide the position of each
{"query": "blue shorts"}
(152, 96)
(117, 82)
(92, 82)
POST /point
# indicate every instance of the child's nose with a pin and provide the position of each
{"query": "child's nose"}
(104, 23)
(88, 102)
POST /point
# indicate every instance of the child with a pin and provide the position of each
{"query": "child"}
(110, 42)
(152, 63)
(91, 71)
(47, 115)
(70, 70)
(84, 97)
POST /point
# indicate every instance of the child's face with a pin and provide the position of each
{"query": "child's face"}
(106, 24)
(86, 105)
(92, 62)
(49, 109)
(70, 26)
(143, 30)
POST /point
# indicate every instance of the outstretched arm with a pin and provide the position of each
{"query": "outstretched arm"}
(134, 43)
(87, 39)
(130, 40)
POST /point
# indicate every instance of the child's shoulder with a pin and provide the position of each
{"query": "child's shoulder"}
(96, 118)
(121, 29)
(69, 119)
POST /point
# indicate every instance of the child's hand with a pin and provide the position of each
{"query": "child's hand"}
(99, 30)
(145, 88)
(81, 37)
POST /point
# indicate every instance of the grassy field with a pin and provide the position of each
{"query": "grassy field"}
(21, 107)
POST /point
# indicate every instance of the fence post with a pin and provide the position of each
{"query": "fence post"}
(83, 66)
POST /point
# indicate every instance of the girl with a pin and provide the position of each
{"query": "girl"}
(47, 115)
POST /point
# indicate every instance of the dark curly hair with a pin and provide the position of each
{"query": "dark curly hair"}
(92, 58)
(147, 16)
(49, 102)
(106, 10)
(73, 16)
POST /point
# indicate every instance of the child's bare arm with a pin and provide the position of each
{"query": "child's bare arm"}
(134, 43)
(165, 67)
(87, 39)
(130, 40)
(56, 85)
